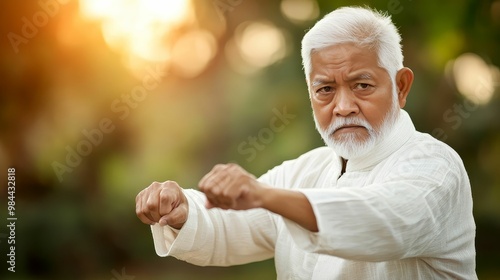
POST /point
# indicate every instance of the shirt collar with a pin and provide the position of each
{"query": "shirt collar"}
(401, 132)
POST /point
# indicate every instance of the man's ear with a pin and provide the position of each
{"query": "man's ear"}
(404, 80)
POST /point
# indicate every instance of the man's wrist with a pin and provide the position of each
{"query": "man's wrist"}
(290, 204)
(266, 196)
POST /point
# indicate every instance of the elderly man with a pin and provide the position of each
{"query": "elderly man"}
(381, 201)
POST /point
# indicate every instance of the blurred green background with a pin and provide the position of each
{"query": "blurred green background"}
(100, 98)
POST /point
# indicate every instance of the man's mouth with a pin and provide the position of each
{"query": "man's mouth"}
(348, 128)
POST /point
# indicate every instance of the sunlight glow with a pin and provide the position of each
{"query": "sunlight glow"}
(140, 29)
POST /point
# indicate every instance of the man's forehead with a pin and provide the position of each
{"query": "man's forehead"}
(343, 49)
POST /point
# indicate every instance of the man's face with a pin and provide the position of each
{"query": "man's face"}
(352, 98)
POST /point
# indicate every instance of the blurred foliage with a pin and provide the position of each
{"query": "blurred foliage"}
(65, 79)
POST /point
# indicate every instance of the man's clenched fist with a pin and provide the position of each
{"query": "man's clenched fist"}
(163, 203)
(228, 186)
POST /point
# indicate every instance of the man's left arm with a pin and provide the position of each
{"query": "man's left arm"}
(424, 207)
(230, 187)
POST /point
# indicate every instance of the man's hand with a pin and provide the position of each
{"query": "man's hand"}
(228, 186)
(163, 203)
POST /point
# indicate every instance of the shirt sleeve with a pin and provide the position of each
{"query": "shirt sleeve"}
(217, 237)
(421, 207)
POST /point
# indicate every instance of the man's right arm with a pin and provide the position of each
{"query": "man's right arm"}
(206, 237)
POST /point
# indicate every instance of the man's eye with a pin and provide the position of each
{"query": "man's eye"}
(325, 90)
(363, 86)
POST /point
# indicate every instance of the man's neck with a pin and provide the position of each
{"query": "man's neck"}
(344, 164)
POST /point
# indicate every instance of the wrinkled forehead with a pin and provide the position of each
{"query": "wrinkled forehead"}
(345, 57)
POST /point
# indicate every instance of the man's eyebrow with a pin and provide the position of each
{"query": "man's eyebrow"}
(361, 76)
(320, 82)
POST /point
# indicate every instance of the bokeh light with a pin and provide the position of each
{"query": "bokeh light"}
(256, 45)
(474, 78)
(192, 52)
(299, 11)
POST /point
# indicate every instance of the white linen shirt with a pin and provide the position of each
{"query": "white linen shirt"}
(403, 211)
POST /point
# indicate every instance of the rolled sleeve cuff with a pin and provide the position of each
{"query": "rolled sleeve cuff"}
(169, 241)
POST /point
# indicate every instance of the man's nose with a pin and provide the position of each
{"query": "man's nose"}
(345, 104)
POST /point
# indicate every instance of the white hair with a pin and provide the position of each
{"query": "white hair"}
(363, 27)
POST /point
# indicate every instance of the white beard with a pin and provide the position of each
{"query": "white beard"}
(348, 145)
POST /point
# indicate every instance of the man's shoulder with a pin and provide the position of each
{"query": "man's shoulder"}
(426, 139)
(423, 144)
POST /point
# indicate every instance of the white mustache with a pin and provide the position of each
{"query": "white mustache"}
(345, 122)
